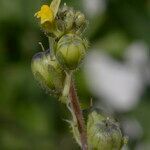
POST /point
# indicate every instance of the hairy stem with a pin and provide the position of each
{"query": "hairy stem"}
(78, 114)
(66, 89)
(51, 46)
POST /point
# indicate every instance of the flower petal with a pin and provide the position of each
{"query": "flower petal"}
(55, 6)
(46, 14)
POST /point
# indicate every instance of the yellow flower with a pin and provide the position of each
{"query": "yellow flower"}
(46, 14)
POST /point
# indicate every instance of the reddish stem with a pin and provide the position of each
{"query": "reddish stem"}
(79, 116)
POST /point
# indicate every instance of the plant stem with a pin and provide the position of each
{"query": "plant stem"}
(78, 114)
(51, 46)
(66, 89)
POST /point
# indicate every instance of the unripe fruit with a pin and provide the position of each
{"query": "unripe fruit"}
(70, 51)
(103, 132)
(48, 73)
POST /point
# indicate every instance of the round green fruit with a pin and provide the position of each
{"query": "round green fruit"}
(48, 73)
(103, 132)
(70, 51)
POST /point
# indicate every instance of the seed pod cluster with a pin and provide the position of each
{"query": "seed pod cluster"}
(69, 20)
(48, 73)
(64, 26)
(103, 132)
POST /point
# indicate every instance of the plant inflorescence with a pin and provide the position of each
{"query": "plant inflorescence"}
(54, 69)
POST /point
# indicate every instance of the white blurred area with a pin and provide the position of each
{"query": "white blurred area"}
(132, 128)
(118, 85)
(94, 7)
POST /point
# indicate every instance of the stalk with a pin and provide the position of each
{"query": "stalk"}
(75, 106)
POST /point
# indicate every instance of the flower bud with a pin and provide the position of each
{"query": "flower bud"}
(48, 73)
(70, 51)
(103, 132)
(79, 18)
(65, 18)
(80, 23)
(69, 20)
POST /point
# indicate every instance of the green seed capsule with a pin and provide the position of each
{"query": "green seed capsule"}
(70, 51)
(103, 132)
(48, 73)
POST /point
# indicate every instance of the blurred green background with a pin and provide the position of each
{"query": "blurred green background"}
(29, 118)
